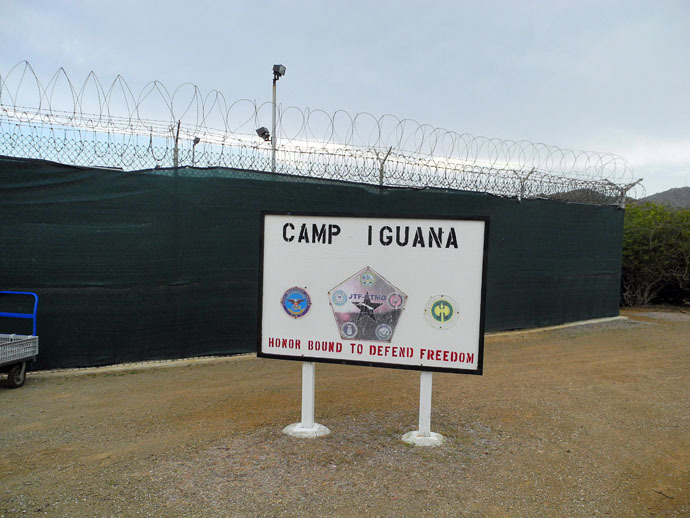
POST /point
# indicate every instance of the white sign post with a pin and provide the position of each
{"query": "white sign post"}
(381, 291)
(307, 428)
(424, 436)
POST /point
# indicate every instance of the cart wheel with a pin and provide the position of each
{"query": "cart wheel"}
(17, 375)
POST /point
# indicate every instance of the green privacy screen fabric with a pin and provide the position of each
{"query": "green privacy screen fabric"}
(162, 264)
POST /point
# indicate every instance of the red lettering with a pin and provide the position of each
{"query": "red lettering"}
(470, 357)
(430, 355)
(287, 343)
(421, 354)
(372, 350)
(445, 356)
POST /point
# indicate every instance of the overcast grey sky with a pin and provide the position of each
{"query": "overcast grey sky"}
(600, 75)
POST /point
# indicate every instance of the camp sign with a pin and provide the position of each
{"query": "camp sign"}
(381, 291)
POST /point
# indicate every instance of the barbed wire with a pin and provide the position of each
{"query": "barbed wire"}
(95, 125)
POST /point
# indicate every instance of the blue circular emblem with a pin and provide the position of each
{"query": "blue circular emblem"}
(296, 302)
(384, 332)
(339, 298)
(349, 330)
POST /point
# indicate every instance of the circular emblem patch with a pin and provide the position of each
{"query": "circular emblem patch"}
(339, 297)
(395, 300)
(384, 332)
(296, 302)
(367, 279)
(349, 329)
(441, 312)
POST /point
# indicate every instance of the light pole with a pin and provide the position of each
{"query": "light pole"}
(278, 72)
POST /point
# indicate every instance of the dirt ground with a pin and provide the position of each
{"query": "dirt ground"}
(581, 421)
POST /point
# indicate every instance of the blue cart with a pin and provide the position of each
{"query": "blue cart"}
(16, 350)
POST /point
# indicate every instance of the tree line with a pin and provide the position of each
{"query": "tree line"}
(656, 255)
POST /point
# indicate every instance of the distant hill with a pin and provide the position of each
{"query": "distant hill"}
(678, 198)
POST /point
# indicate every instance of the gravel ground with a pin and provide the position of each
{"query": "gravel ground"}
(580, 421)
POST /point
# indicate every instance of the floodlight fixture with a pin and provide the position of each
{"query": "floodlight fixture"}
(264, 133)
(278, 72)
(194, 143)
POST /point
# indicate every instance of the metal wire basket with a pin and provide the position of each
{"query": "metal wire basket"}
(15, 348)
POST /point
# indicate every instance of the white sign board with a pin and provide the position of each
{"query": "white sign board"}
(390, 292)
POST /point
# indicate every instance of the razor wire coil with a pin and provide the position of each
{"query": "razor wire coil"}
(113, 127)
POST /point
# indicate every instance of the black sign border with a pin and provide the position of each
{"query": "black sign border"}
(480, 360)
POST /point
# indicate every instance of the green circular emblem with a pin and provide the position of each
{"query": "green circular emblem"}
(442, 310)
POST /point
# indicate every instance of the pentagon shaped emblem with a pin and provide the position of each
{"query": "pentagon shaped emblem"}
(366, 306)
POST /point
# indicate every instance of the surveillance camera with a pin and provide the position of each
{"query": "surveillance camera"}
(196, 140)
(278, 71)
(264, 133)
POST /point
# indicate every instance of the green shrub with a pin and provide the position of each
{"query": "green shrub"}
(656, 255)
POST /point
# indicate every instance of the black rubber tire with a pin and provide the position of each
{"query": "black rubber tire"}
(16, 376)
